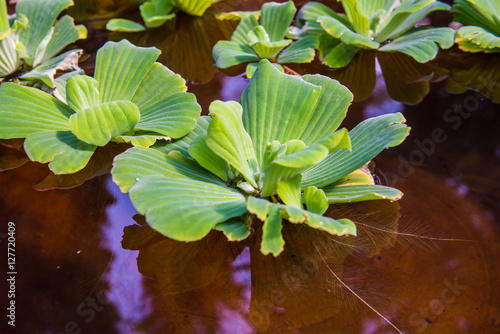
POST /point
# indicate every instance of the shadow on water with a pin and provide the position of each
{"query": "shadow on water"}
(428, 263)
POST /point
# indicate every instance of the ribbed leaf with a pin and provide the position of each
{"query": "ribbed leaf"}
(272, 240)
(193, 7)
(4, 21)
(159, 83)
(173, 116)
(229, 53)
(124, 25)
(480, 13)
(66, 153)
(422, 44)
(60, 83)
(252, 68)
(234, 230)
(315, 200)
(9, 58)
(200, 151)
(357, 17)
(312, 10)
(334, 53)
(185, 209)
(368, 139)
(98, 124)
(301, 51)
(269, 49)
(25, 110)
(138, 162)
(182, 144)
(41, 16)
(289, 191)
(358, 193)
(337, 29)
(81, 92)
(297, 159)
(278, 107)
(405, 17)
(327, 224)
(156, 12)
(120, 68)
(141, 138)
(247, 24)
(276, 18)
(473, 39)
(46, 71)
(259, 207)
(64, 33)
(370, 7)
(228, 139)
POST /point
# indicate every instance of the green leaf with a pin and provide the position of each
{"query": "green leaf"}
(46, 71)
(158, 84)
(182, 144)
(259, 207)
(200, 151)
(185, 209)
(327, 224)
(97, 125)
(10, 60)
(301, 51)
(422, 44)
(173, 116)
(276, 18)
(272, 240)
(4, 20)
(61, 81)
(81, 92)
(228, 139)
(355, 15)
(234, 230)
(41, 16)
(273, 102)
(142, 138)
(228, 53)
(66, 153)
(473, 39)
(252, 68)
(120, 68)
(315, 200)
(156, 12)
(334, 53)
(371, 7)
(64, 34)
(26, 110)
(337, 29)
(193, 7)
(124, 25)
(368, 139)
(289, 191)
(247, 24)
(357, 193)
(405, 17)
(298, 159)
(138, 162)
(485, 14)
(312, 10)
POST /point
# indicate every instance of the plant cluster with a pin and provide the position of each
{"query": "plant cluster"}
(31, 39)
(265, 158)
(156, 12)
(481, 30)
(131, 98)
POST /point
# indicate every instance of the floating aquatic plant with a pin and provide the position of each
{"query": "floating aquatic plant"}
(156, 12)
(266, 157)
(481, 32)
(253, 40)
(31, 39)
(131, 98)
(374, 25)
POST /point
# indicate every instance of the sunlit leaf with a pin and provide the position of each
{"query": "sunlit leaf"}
(337, 29)
(301, 51)
(474, 39)
(276, 17)
(200, 151)
(315, 200)
(156, 12)
(234, 230)
(193, 7)
(182, 144)
(81, 92)
(228, 138)
(124, 25)
(185, 209)
(289, 191)
(272, 240)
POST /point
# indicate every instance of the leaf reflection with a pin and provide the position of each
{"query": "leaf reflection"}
(299, 281)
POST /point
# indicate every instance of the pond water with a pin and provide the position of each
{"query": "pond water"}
(86, 263)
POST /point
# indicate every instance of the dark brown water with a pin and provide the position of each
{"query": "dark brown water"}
(429, 263)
